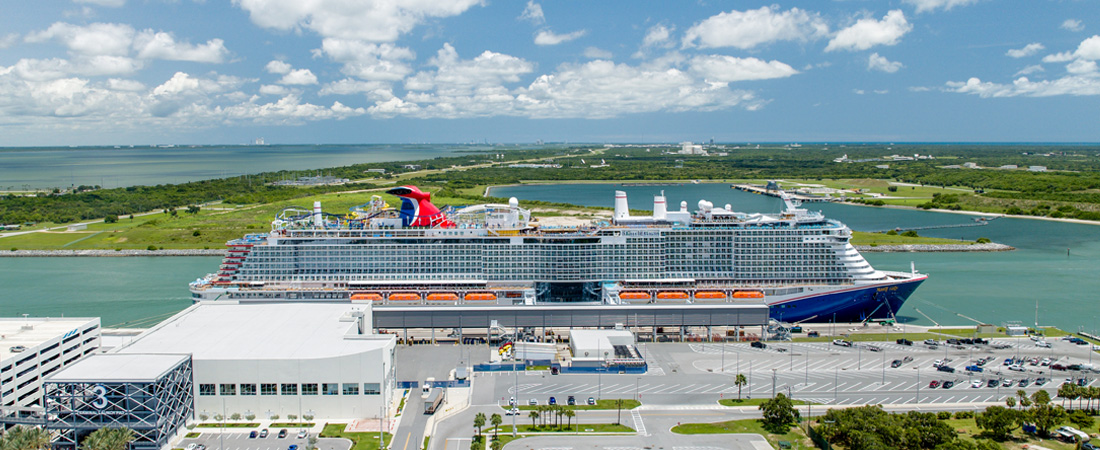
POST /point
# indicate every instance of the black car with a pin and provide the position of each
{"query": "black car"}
(1082, 381)
(895, 363)
(952, 341)
(758, 344)
(948, 369)
(992, 383)
(571, 400)
(282, 433)
(947, 384)
(904, 342)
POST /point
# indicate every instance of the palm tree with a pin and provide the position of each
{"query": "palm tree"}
(739, 381)
(25, 438)
(534, 415)
(496, 420)
(1024, 401)
(479, 421)
(109, 439)
(496, 444)
(1067, 391)
(569, 416)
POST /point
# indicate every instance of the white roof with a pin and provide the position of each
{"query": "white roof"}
(595, 341)
(38, 331)
(227, 331)
(116, 367)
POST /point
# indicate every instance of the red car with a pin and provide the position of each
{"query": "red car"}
(934, 384)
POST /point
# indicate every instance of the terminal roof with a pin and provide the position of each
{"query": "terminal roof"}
(221, 331)
(34, 331)
(117, 367)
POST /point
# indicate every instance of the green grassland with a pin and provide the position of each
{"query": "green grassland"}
(795, 436)
(359, 441)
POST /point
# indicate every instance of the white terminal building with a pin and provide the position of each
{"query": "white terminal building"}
(32, 349)
(320, 360)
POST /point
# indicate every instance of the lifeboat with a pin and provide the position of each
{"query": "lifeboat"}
(404, 297)
(748, 294)
(442, 297)
(672, 295)
(710, 295)
(634, 295)
(480, 296)
(370, 296)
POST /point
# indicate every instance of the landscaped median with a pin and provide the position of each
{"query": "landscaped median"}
(503, 433)
(795, 436)
(756, 402)
(359, 441)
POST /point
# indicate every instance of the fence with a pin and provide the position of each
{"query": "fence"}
(819, 440)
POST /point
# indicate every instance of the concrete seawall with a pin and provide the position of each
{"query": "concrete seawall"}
(991, 247)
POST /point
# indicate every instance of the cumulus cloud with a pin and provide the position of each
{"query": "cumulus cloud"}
(278, 67)
(159, 45)
(375, 21)
(1030, 70)
(748, 29)
(1027, 50)
(274, 89)
(597, 53)
(374, 90)
(299, 77)
(547, 37)
(533, 13)
(1072, 25)
(377, 62)
(727, 69)
(880, 63)
(94, 39)
(868, 32)
(1088, 49)
(658, 36)
(107, 3)
(8, 40)
(1075, 85)
(932, 5)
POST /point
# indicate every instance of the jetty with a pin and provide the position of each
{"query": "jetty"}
(774, 192)
(978, 222)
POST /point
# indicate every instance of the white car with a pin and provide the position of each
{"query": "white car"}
(512, 412)
(1045, 362)
(1043, 344)
(302, 434)
(1017, 368)
(192, 446)
(976, 384)
(1007, 382)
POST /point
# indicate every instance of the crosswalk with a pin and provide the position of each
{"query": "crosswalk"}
(639, 425)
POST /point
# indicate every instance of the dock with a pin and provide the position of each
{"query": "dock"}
(762, 190)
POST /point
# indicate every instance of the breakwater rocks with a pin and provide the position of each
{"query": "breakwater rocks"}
(164, 252)
(990, 247)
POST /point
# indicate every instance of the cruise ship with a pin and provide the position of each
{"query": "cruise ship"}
(798, 262)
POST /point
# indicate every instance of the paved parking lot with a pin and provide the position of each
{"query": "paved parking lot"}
(241, 441)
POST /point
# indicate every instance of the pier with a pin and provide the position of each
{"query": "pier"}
(804, 198)
(979, 222)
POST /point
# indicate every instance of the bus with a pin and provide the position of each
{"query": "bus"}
(435, 399)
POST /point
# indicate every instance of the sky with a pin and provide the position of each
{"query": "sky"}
(118, 72)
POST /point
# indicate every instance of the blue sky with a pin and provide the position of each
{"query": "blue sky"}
(112, 72)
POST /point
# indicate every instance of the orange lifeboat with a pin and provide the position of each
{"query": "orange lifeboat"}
(710, 294)
(748, 294)
(634, 295)
(672, 295)
(369, 296)
(480, 296)
(442, 297)
(404, 297)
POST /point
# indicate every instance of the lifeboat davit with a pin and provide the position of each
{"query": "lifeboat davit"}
(368, 296)
(634, 295)
(748, 294)
(672, 295)
(710, 295)
(404, 297)
(480, 296)
(442, 297)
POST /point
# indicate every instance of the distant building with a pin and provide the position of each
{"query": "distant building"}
(953, 166)
(535, 166)
(411, 166)
(688, 148)
(378, 171)
(1009, 167)
(1036, 168)
(970, 165)
(882, 166)
(312, 181)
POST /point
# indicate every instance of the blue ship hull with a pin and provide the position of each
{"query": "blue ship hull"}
(880, 301)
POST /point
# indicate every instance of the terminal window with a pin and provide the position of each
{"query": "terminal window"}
(372, 389)
(269, 389)
(248, 389)
(206, 389)
(351, 389)
(290, 389)
(227, 389)
(331, 388)
(309, 388)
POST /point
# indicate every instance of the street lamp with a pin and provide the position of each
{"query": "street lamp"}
(773, 382)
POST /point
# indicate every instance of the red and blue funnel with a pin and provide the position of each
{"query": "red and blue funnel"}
(417, 209)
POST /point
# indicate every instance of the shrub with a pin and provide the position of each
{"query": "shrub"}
(944, 415)
(110, 219)
(892, 188)
(983, 240)
(910, 233)
(964, 415)
(14, 249)
(196, 233)
(892, 233)
(151, 248)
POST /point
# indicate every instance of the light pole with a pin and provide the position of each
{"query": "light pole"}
(723, 369)
(773, 382)
(636, 381)
(515, 388)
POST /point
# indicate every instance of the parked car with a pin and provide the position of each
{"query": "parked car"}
(758, 344)
(1043, 344)
(992, 382)
(874, 348)
(252, 434)
(813, 334)
(533, 402)
(191, 446)
(1017, 368)
(904, 342)
(934, 384)
(1057, 366)
(930, 342)
(947, 369)
(1009, 361)
(571, 400)
(512, 412)
(976, 384)
(1045, 362)
(553, 401)
(973, 368)
(1034, 361)
(282, 433)
(263, 433)
(1007, 382)
(1082, 381)
(1024, 382)
(948, 384)
(293, 447)
(895, 363)
(1040, 381)
(842, 343)
(303, 434)
(952, 341)
(591, 400)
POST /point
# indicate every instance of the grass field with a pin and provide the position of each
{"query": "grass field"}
(875, 239)
(359, 441)
(795, 436)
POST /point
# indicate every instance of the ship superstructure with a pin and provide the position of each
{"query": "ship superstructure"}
(797, 261)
